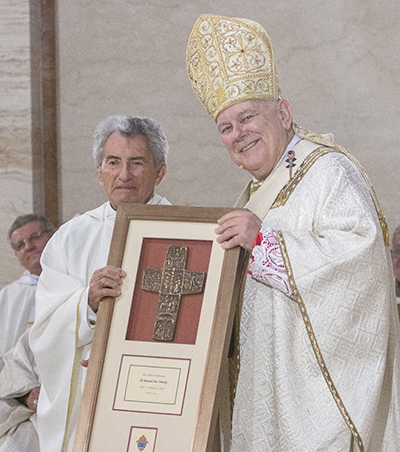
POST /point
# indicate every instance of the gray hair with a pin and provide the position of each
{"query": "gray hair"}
(45, 224)
(129, 127)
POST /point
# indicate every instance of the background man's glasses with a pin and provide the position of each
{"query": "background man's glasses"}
(34, 237)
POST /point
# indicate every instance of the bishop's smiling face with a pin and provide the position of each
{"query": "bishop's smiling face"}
(256, 134)
(128, 172)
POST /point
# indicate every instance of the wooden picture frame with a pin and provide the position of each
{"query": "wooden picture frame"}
(158, 395)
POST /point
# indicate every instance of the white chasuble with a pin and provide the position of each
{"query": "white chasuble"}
(62, 333)
(17, 310)
(322, 365)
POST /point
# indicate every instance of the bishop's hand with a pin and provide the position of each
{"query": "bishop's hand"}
(239, 227)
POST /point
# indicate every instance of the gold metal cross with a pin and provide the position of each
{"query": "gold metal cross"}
(171, 282)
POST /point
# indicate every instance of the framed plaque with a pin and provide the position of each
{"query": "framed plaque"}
(155, 364)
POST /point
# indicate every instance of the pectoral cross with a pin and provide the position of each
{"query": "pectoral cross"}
(171, 282)
(290, 161)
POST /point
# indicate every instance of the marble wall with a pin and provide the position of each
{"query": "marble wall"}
(15, 129)
(338, 64)
(337, 61)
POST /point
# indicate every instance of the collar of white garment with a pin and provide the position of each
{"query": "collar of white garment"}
(111, 213)
(28, 278)
(294, 141)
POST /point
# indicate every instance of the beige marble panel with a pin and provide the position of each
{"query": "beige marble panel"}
(338, 65)
(15, 120)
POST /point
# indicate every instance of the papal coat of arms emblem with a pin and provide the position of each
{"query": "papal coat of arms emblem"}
(142, 443)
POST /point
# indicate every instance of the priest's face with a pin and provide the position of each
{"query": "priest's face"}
(396, 256)
(128, 172)
(28, 242)
(256, 134)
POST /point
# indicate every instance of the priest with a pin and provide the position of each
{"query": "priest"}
(28, 235)
(319, 335)
(19, 384)
(130, 154)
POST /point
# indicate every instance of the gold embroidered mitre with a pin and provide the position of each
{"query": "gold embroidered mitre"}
(230, 61)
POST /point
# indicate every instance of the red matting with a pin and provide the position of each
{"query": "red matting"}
(144, 303)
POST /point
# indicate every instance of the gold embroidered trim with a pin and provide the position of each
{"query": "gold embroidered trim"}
(234, 361)
(289, 188)
(329, 146)
(314, 344)
(72, 388)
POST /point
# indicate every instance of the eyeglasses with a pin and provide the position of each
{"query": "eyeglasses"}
(34, 237)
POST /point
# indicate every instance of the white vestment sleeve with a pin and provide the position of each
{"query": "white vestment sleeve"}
(19, 375)
(18, 378)
(61, 335)
(64, 325)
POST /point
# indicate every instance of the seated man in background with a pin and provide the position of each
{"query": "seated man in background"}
(396, 262)
(130, 154)
(19, 385)
(28, 236)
